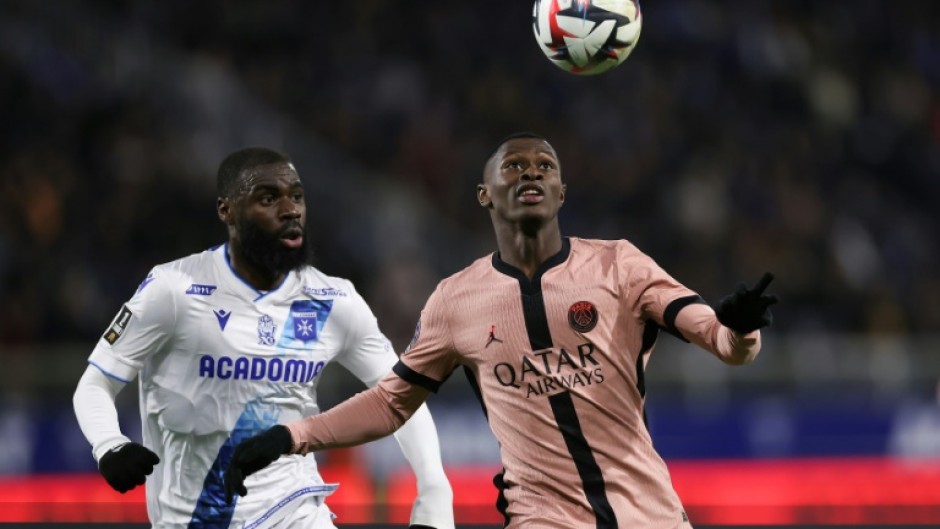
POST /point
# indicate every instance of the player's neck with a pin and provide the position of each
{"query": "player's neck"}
(527, 251)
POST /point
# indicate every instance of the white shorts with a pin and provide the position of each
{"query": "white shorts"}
(310, 515)
(307, 512)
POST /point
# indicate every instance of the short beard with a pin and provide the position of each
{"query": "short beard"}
(267, 254)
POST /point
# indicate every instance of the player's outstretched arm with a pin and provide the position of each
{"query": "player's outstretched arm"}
(732, 331)
(365, 417)
(123, 463)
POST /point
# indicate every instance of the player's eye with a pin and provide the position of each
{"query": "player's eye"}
(267, 200)
(546, 165)
(297, 197)
(515, 165)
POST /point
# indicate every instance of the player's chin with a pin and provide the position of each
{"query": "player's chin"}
(294, 258)
(282, 260)
(542, 211)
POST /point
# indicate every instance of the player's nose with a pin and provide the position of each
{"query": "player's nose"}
(289, 210)
(532, 174)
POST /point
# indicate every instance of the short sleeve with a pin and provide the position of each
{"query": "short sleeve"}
(654, 294)
(367, 353)
(430, 357)
(141, 327)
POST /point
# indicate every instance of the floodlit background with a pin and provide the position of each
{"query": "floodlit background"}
(797, 137)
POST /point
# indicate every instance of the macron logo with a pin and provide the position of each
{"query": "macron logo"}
(222, 315)
(201, 290)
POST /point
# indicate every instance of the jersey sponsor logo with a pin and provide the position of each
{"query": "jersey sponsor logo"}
(200, 290)
(266, 330)
(211, 509)
(582, 316)
(258, 368)
(551, 370)
(328, 292)
(116, 330)
(222, 315)
(492, 337)
(145, 282)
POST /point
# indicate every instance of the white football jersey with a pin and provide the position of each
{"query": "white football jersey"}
(219, 362)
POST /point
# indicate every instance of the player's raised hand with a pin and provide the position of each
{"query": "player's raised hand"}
(253, 454)
(747, 309)
(126, 466)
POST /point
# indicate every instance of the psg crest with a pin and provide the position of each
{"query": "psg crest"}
(582, 316)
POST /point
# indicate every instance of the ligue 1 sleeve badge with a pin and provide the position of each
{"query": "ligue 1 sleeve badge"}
(414, 339)
(582, 316)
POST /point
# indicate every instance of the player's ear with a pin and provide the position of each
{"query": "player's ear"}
(483, 196)
(561, 197)
(223, 207)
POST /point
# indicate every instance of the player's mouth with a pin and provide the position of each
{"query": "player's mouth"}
(292, 238)
(530, 193)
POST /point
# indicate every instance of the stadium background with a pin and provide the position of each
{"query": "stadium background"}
(793, 136)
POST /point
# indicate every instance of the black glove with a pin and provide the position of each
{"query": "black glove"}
(126, 466)
(747, 309)
(253, 454)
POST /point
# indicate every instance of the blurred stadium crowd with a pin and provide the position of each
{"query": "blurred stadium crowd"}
(797, 137)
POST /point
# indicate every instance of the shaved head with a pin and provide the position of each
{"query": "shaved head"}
(506, 139)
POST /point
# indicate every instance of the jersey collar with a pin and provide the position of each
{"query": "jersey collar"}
(535, 284)
(238, 282)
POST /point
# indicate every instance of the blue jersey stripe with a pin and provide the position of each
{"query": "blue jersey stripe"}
(212, 511)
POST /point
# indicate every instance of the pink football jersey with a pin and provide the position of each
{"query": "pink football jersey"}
(558, 363)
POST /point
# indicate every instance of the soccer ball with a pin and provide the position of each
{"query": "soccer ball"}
(586, 36)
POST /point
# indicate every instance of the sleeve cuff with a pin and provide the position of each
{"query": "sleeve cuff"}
(108, 444)
(112, 366)
(294, 438)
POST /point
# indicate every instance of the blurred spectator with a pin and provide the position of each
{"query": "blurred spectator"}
(790, 136)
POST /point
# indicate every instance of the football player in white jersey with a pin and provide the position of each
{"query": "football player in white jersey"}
(229, 342)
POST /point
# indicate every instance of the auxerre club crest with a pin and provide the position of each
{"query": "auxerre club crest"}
(306, 320)
(305, 326)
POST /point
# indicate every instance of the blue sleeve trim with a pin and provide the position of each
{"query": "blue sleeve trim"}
(108, 373)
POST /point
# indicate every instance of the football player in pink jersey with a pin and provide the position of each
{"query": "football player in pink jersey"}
(555, 333)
